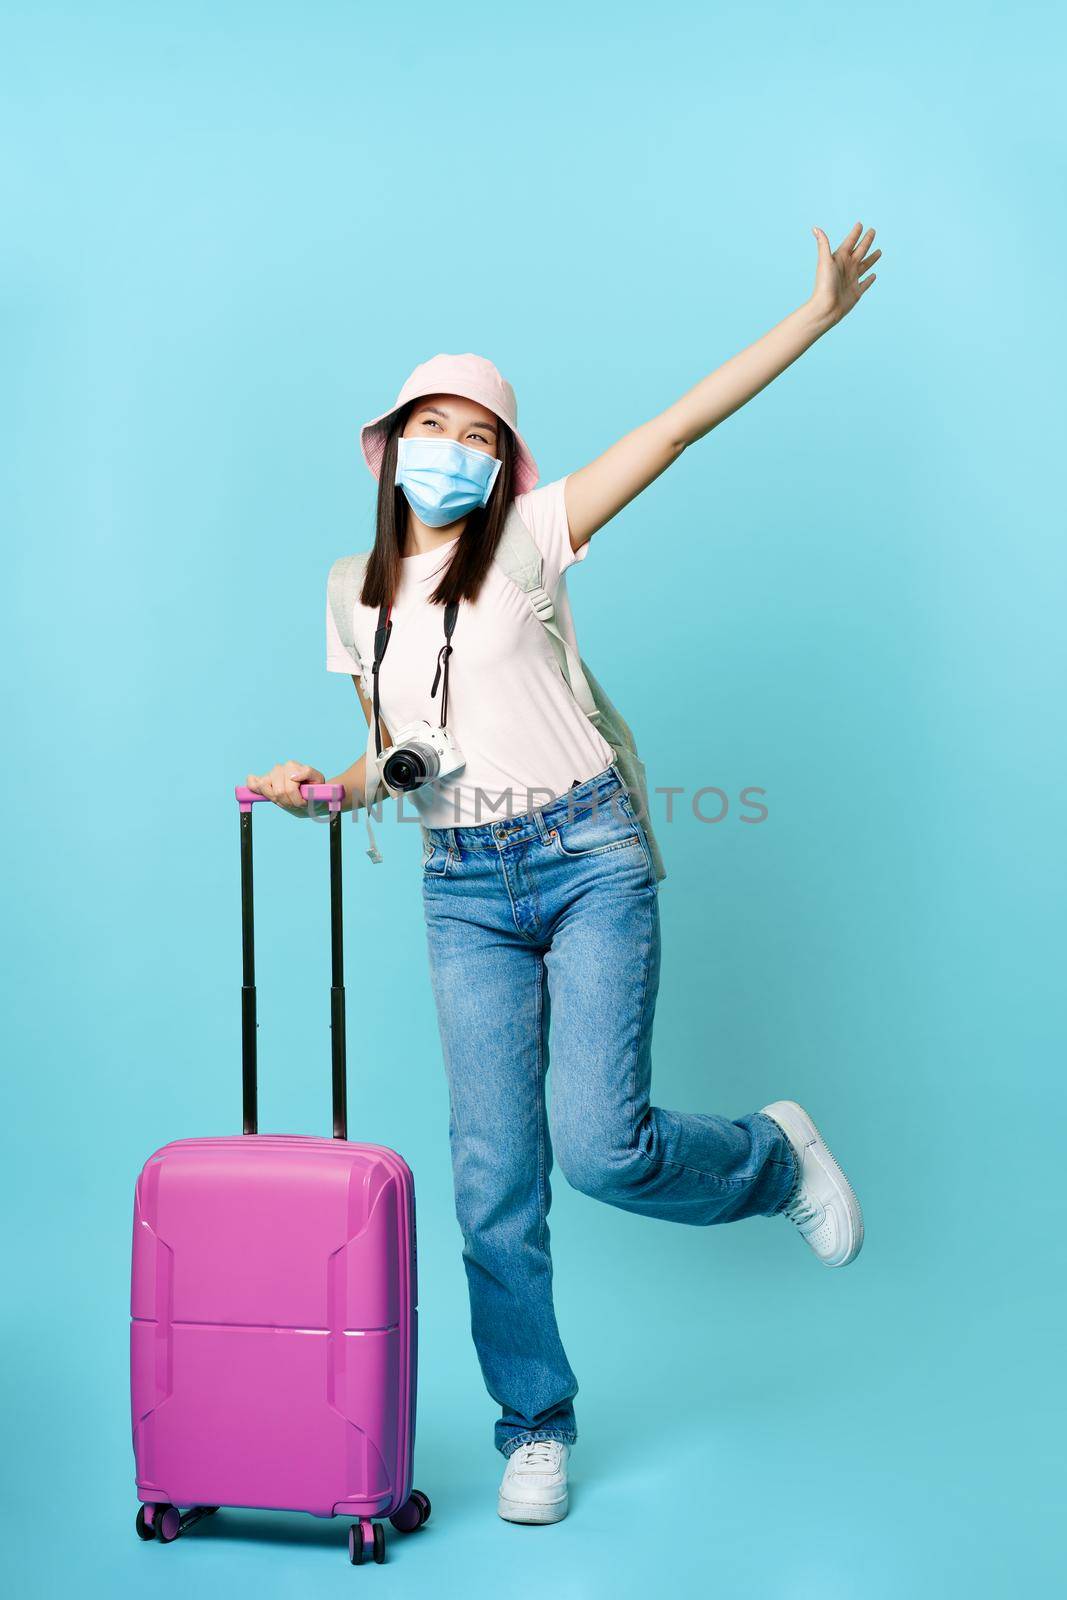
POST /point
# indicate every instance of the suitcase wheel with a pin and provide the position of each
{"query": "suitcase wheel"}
(366, 1542)
(412, 1514)
(166, 1522)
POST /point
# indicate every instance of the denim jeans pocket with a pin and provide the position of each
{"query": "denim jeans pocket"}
(595, 829)
(436, 858)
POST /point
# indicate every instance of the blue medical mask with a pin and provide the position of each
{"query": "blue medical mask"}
(444, 480)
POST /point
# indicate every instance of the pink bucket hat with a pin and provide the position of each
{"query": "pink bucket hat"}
(474, 378)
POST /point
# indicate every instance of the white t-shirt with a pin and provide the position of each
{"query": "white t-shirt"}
(524, 738)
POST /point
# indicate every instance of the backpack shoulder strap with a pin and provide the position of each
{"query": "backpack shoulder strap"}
(343, 590)
(343, 587)
(520, 560)
(519, 556)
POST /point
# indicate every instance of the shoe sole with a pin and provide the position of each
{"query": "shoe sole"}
(809, 1134)
(520, 1511)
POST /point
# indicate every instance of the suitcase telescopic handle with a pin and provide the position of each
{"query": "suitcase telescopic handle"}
(333, 794)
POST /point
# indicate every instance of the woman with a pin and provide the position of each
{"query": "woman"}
(552, 903)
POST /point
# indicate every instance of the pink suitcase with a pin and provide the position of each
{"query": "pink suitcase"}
(273, 1331)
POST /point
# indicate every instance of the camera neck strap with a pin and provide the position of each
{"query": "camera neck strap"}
(381, 644)
(440, 677)
(382, 635)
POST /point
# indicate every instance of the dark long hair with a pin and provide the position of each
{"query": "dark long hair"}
(469, 559)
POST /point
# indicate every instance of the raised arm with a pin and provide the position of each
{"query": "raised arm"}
(595, 493)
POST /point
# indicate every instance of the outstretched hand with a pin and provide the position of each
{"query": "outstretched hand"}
(839, 275)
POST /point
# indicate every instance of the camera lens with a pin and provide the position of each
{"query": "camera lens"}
(410, 767)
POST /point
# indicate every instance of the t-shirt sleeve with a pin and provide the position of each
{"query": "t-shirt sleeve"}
(544, 511)
(338, 659)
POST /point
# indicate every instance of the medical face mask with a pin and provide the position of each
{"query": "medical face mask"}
(444, 480)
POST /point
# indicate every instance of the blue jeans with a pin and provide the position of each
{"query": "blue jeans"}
(557, 910)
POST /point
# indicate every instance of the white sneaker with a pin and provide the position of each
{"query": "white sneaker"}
(824, 1208)
(534, 1485)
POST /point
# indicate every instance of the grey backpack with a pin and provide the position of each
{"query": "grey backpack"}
(519, 558)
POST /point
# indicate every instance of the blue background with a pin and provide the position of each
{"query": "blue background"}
(231, 231)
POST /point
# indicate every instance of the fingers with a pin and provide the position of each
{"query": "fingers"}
(282, 783)
(851, 245)
(271, 785)
(866, 264)
(865, 283)
(848, 243)
(294, 774)
(286, 792)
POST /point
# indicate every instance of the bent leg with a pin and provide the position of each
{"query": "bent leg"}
(610, 1141)
(491, 1005)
